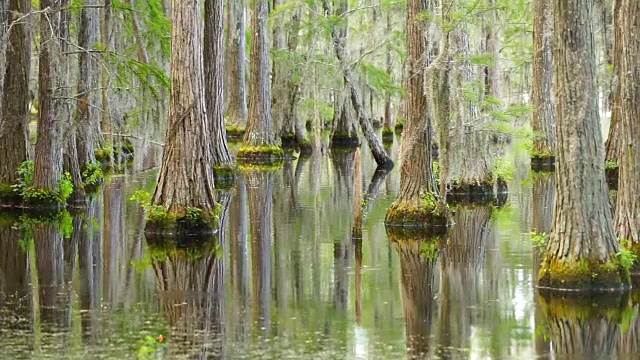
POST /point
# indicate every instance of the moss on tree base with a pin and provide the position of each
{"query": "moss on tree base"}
(478, 193)
(583, 275)
(224, 176)
(543, 162)
(263, 154)
(399, 127)
(121, 153)
(612, 174)
(387, 136)
(193, 222)
(411, 216)
(235, 133)
(9, 197)
(344, 141)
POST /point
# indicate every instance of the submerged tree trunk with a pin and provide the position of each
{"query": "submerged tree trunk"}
(543, 121)
(418, 200)
(237, 112)
(214, 84)
(627, 219)
(186, 176)
(339, 46)
(14, 101)
(582, 250)
(260, 139)
(53, 72)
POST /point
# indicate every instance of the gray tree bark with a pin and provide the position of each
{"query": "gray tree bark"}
(214, 80)
(237, 112)
(627, 218)
(582, 240)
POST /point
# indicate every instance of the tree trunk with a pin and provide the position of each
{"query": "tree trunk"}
(345, 134)
(260, 140)
(186, 176)
(214, 82)
(14, 102)
(627, 218)
(237, 112)
(87, 122)
(53, 81)
(418, 197)
(4, 23)
(280, 68)
(614, 138)
(543, 121)
(582, 250)
(387, 130)
(339, 46)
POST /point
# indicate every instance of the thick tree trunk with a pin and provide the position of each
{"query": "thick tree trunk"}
(582, 250)
(53, 81)
(339, 46)
(214, 80)
(260, 143)
(345, 134)
(417, 201)
(237, 112)
(14, 101)
(186, 176)
(627, 218)
(543, 121)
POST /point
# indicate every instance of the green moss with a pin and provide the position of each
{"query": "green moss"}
(425, 215)
(586, 307)
(8, 195)
(261, 154)
(387, 132)
(583, 274)
(344, 140)
(247, 167)
(611, 165)
(224, 176)
(92, 176)
(542, 155)
(399, 126)
(235, 132)
(41, 198)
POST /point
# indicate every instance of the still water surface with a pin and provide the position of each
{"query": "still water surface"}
(301, 269)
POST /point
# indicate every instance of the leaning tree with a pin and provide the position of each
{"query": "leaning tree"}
(581, 253)
(627, 219)
(185, 189)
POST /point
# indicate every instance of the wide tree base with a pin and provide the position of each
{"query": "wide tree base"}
(411, 216)
(9, 197)
(290, 141)
(344, 141)
(399, 127)
(479, 193)
(387, 136)
(583, 275)
(543, 162)
(235, 133)
(195, 222)
(260, 155)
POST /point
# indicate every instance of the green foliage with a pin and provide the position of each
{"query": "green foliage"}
(379, 79)
(24, 187)
(62, 220)
(540, 239)
(149, 347)
(429, 201)
(429, 250)
(504, 169)
(435, 167)
(92, 174)
(626, 256)
(611, 165)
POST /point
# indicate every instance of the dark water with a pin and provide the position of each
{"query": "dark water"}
(302, 269)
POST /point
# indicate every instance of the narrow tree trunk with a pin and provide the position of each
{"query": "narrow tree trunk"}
(260, 140)
(4, 23)
(345, 134)
(613, 146)
(87, 116)
(280, 68)
(339, 46)
(53, 72)
(107, 43)
(214, 82)
(237, 112)
(387, 130)
(627, 219)
(543, 121)
(186, 176)
(14, 101)
(582, 250)
(418, 197)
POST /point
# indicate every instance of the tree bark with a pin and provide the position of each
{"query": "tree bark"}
(416, 170)
(14, 99)
(613, 146)
(260, 129)
(582, 241)
(214, 80)
(186, 175)
(53, 85)
(627, 218)
(237, 112)
(344, 133)
(339, 46)
(543, 121)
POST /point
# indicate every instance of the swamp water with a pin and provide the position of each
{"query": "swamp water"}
(301, 269)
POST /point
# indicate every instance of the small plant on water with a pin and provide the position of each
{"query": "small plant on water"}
(540, 239)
